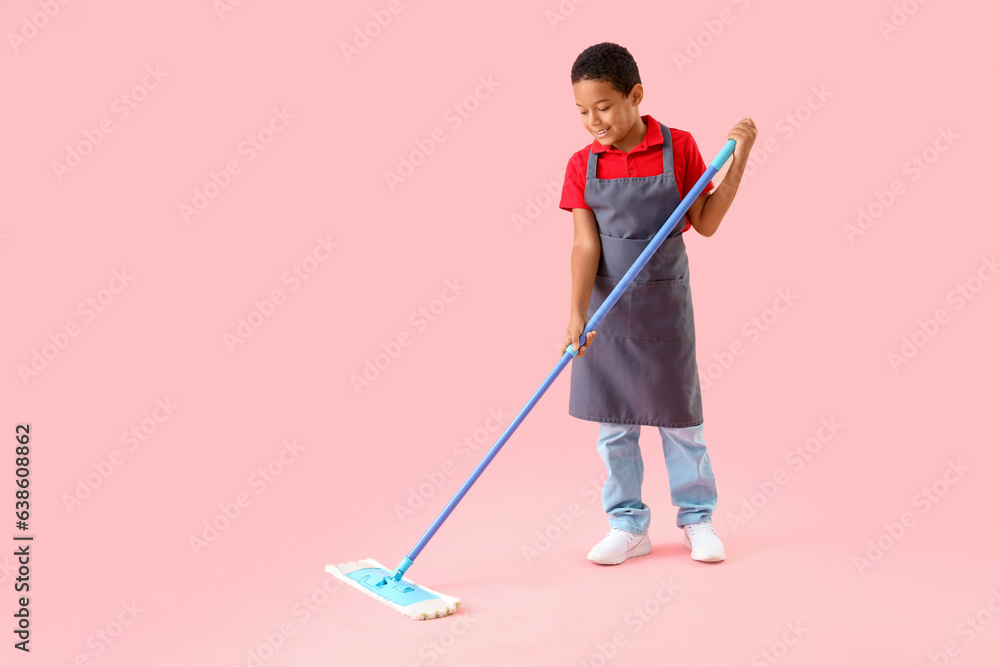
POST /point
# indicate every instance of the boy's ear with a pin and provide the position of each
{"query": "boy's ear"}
(635, 96)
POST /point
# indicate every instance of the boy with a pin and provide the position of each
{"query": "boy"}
(621, 189)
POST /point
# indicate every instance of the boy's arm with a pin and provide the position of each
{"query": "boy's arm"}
(584, 259)
(707, 210)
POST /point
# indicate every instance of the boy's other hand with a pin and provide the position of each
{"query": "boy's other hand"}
(744, 132)
(573, 332)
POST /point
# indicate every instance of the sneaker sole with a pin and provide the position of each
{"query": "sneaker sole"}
(709, 559)
(644, 547)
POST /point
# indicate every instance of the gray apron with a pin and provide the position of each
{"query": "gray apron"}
(642, 368)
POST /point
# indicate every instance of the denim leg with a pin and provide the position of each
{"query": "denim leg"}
(692, 483)
(618, 445)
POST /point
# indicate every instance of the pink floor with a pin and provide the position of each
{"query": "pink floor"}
(514, 551)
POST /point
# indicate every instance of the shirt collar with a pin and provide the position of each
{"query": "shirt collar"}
(653, 137)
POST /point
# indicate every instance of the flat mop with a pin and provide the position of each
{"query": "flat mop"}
(420, 602)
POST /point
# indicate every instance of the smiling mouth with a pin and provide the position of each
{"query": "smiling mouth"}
(602, 132)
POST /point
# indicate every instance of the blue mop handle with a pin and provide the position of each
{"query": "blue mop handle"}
(654, 243)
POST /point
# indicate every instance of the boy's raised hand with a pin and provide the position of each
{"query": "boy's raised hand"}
(573, 332)
(744, 132)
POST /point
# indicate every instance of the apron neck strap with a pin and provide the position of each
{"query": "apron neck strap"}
(668, 155)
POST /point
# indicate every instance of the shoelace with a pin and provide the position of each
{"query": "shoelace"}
(703, 528)
(629, 537)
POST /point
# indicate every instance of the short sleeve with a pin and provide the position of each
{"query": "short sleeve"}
(694, 167)
(574, 184)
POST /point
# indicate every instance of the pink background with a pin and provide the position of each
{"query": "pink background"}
(361, 453)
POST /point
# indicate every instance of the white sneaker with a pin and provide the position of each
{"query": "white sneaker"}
(618, 546)
(703, 542)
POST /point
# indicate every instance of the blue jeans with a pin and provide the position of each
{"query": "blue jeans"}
(692, 484)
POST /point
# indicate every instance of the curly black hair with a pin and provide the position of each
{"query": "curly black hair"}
(607, 62)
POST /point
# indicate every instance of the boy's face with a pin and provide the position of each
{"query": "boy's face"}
(605, 112)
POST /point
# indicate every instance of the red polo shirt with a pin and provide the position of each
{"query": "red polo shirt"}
(646, 159)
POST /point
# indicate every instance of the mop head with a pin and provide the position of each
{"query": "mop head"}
(417, 602)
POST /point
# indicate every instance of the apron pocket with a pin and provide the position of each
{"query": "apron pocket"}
(659, 309)
(616, 322)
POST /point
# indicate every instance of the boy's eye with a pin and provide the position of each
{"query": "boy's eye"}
(604, 109)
